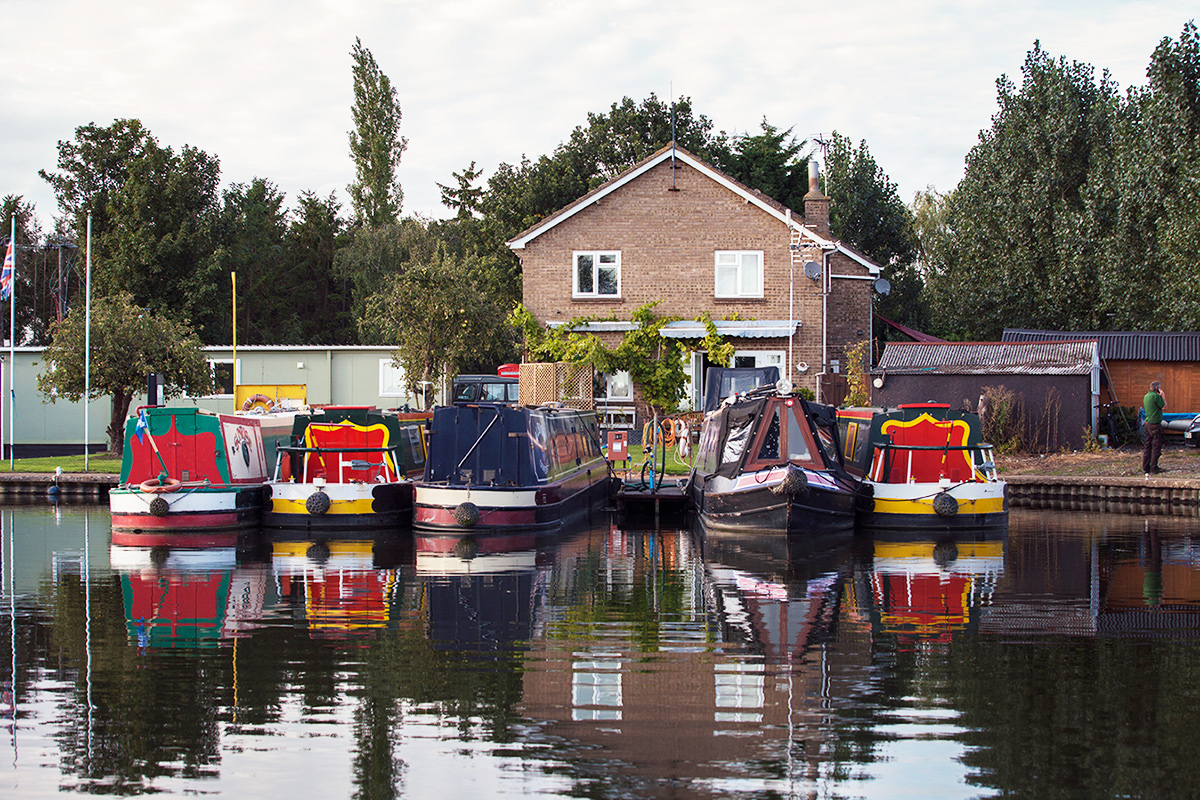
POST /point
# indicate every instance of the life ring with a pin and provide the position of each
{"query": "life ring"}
(155, 486)
(259, 401)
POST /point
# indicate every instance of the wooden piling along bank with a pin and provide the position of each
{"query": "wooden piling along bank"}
(1173, 497)
(24, 486)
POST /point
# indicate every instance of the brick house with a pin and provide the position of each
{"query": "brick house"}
(675, 229)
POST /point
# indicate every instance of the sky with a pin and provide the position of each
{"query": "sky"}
(266, 86)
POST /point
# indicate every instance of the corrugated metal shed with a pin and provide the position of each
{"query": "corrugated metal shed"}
(1122, 345)
(988, 358)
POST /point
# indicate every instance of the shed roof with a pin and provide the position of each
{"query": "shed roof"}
(1123, 345)
(989, 358)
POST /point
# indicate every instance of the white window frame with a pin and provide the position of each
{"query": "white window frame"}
(212, 370)
(596, 255)
(764, 358)
(391, 379)
(608, 387)
(740, 268)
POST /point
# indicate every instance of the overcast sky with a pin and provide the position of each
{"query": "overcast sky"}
(265, 85)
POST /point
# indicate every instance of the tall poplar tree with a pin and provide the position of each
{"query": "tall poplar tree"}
(375, 143)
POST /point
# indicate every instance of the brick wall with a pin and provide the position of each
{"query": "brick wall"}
(667, 232)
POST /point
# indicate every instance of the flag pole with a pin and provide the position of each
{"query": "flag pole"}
(87, 346)
(12, 349)
(233, 370)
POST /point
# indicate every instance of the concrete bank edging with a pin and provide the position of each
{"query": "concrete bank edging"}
(1155, 495)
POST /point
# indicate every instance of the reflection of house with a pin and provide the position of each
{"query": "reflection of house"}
(1058, 383)
(715, 670)
(676, 230)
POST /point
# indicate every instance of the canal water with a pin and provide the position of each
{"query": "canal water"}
(1058, 659)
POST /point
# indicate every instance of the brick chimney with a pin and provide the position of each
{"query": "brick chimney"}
(816, 205)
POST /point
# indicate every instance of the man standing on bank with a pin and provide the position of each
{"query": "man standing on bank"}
(1154, 403)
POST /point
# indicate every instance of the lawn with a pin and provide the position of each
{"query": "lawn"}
(97, 462)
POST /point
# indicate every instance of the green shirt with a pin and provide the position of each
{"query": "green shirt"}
(1154, 405)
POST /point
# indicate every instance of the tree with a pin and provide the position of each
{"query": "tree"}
(376, 255)
(93, 167)
(252, 231)
(319, 298)
(160, 248)
(375, 143)
(771, 162)
(438, 318)
(867, 213)
(39, 293)
(1029, 212)
(128, 342)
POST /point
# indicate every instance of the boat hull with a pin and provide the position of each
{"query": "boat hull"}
(912, 506)
(349, 508)
(510, 508)
(194, 511)
(757, 502)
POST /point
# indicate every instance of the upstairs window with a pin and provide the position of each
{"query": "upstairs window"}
(597, 274)
(739, 273)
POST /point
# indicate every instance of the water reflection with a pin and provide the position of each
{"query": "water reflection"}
(604, 662)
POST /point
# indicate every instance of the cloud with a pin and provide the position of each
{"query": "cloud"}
(266, 87)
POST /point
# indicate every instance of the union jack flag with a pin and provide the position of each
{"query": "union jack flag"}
(6, 275)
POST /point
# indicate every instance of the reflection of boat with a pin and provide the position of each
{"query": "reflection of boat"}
(477, 590)
(922, 465)
(186, 597)
(344, 592)
(927, 589)
(186, 470)
(502, 468)
(769, 461)
(346, 469)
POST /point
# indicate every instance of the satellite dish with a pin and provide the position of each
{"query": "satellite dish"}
(883, 286)
(812, 270)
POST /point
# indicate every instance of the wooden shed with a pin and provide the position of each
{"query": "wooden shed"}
(1132, 359)
(1056, 383)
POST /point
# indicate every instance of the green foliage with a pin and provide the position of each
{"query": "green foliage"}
(376, 255)
(771, 162)
(654, 363)
(154, 215)
(253, 232)
(856, 373)
(866, 212)
(807, 393)
(38, 261)
(127, 343)
(319, 303)
(439, 320)
(375, 143)
(92, 168)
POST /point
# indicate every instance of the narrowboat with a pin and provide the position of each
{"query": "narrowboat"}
(769, 461)
(496, 467)
(189, 477)
(346, 469)
(922, 465)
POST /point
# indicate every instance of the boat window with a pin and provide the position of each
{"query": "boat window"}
(735, 442)
(769, 451)
(797, 443)
(828, 442)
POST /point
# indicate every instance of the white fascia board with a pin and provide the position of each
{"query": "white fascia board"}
(749, 197)
(871, 266)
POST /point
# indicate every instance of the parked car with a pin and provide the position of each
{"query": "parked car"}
(485, 389)
(1192, 434)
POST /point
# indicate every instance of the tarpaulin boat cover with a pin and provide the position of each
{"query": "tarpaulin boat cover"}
(721, 382)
